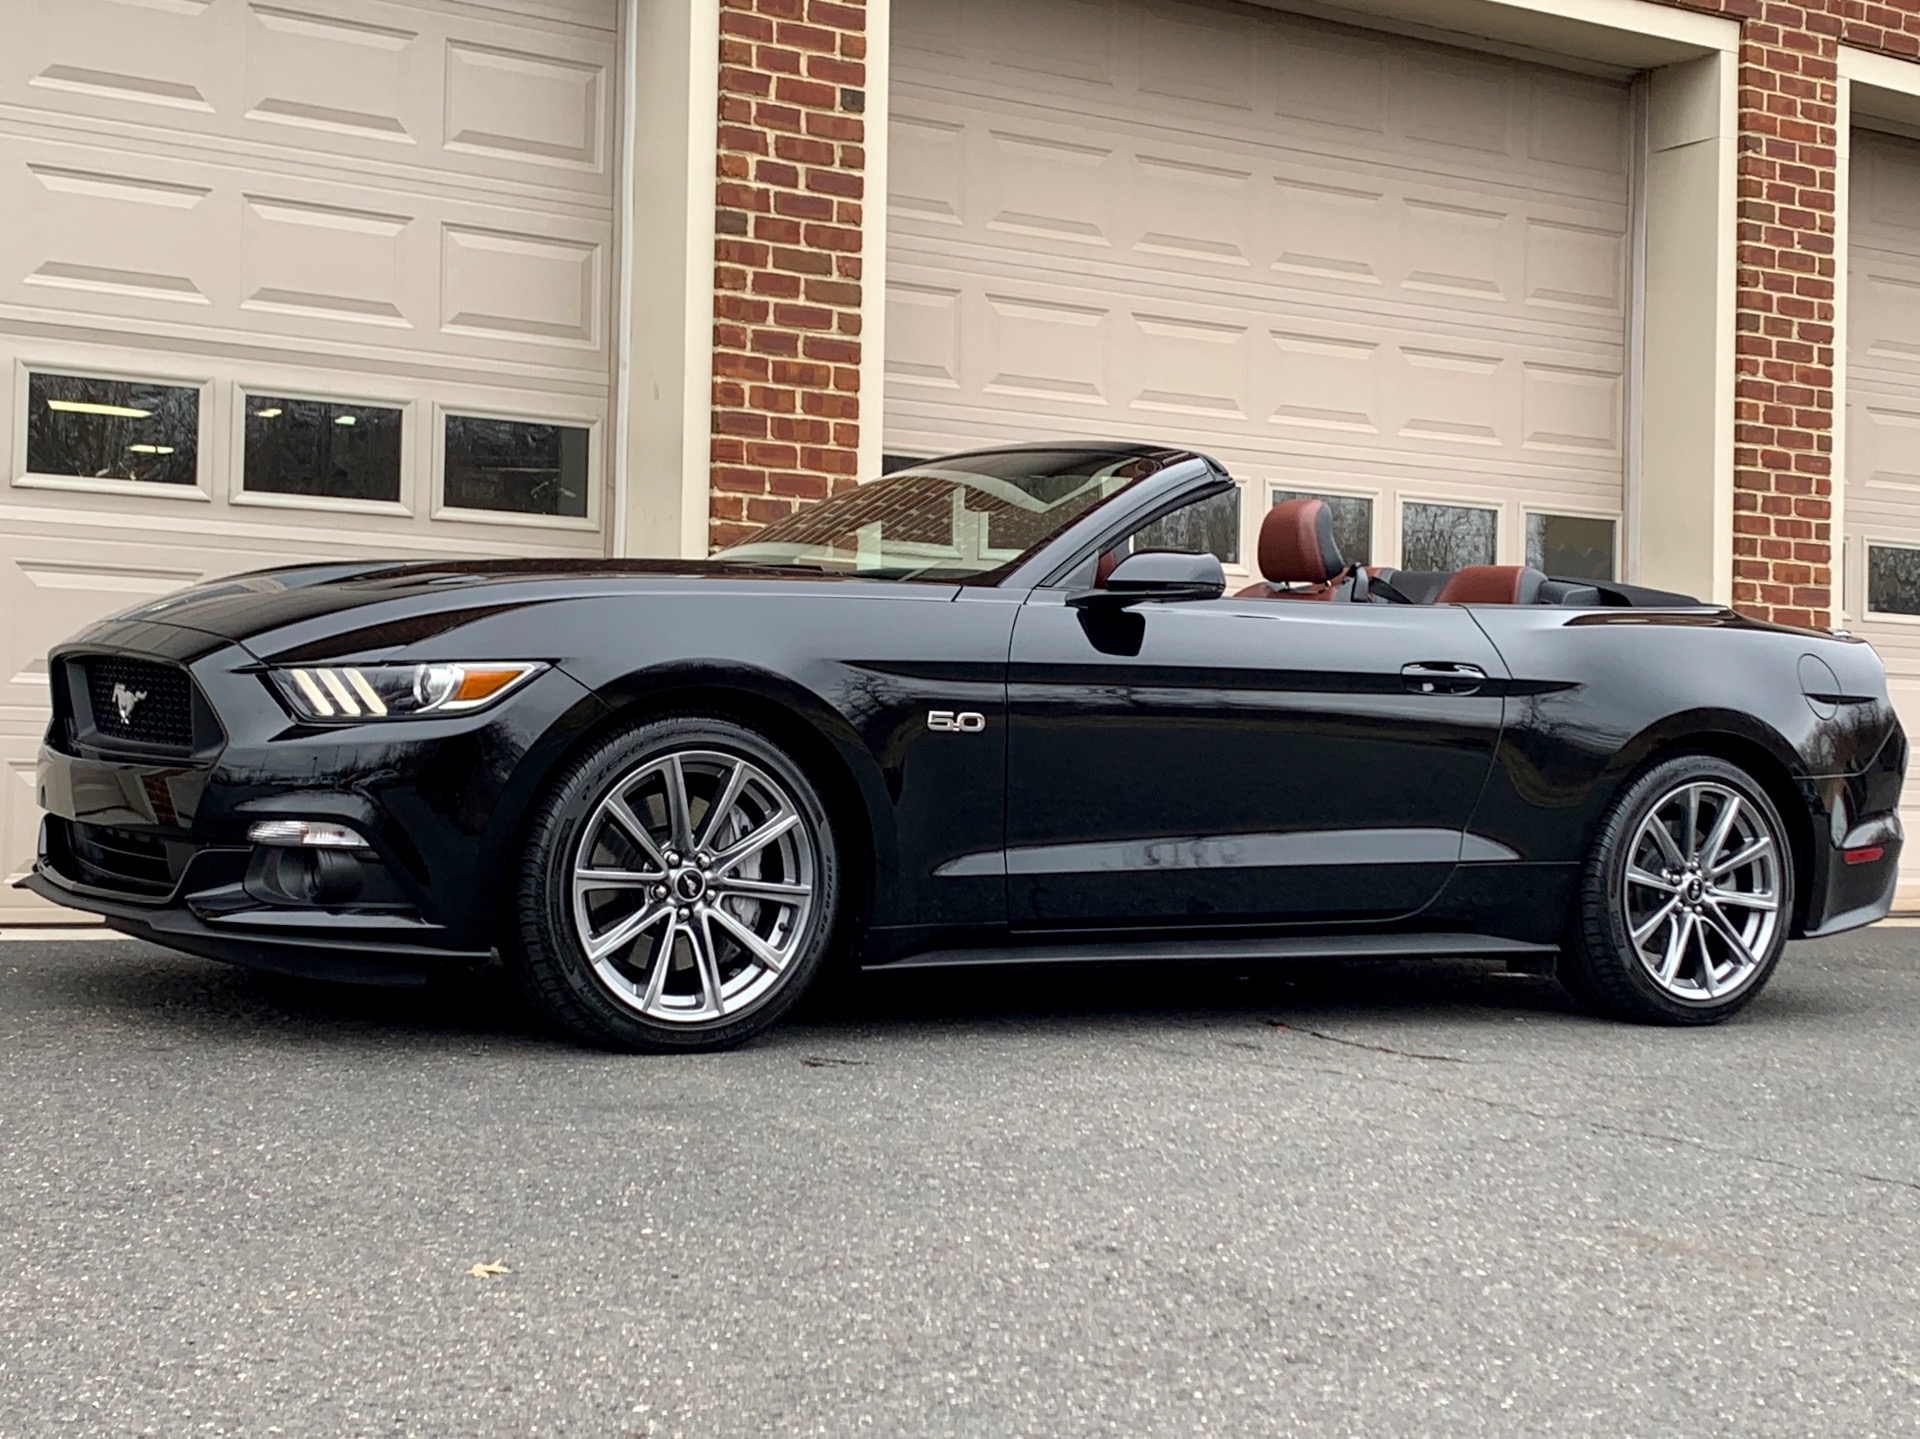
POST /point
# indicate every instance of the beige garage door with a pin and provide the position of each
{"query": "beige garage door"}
(1881, 571)
(289, 281)
(1345, 263)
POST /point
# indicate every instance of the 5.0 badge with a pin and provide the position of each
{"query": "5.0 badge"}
(956, 721)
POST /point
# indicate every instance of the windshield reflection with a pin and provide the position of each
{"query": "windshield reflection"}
(955, 518)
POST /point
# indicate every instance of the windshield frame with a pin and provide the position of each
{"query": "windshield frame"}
(1167, 459)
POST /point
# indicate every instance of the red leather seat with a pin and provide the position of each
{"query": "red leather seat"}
(1492, 585)
(1298, 557)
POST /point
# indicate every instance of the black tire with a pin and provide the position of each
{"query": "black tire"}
(1602, 966)
(546, 952)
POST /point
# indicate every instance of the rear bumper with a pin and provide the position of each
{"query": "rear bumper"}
(1862, 892)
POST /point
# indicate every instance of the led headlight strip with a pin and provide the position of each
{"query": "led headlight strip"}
(372, 692)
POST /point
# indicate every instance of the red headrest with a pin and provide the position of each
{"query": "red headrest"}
(1296, 544)
(1491, 585)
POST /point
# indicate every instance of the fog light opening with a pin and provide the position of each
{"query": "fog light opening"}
(282, 874)
(307, 833)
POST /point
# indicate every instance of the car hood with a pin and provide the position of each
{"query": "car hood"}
(268, 602)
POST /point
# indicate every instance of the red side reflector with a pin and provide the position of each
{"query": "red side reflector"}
(1866, 855)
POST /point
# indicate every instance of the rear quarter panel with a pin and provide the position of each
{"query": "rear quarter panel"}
(1597, 692)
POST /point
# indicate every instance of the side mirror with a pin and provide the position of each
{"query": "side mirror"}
(1156, 575)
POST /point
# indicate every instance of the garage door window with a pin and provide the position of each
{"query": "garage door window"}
(516, 467)
(322, 449)
(1447, 537)
(1352, 522)
(1893, 580)
(1576, 546)
(79, 427)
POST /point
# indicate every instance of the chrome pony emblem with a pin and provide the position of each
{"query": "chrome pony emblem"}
(125, 699)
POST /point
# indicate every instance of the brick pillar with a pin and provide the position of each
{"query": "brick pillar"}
(786, 309)
(1784, 465)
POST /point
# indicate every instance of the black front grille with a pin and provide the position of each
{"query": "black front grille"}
(140, 700)
(122, 859)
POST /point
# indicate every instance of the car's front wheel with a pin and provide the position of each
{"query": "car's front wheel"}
(1686, 901)
(678, 889)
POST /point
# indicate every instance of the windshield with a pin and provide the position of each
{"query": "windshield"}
(953, 518)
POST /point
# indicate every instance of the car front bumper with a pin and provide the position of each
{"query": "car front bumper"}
(157, 844)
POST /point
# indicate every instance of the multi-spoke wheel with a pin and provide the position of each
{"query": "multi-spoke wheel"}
(1687, 898)
(679, 889)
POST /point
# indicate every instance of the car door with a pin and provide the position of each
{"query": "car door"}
(1241, 760)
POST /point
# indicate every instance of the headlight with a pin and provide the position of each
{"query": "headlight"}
(360, 692)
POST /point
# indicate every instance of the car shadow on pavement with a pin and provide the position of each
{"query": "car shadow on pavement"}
(154, 990)
(1019, 993)
(147, 986)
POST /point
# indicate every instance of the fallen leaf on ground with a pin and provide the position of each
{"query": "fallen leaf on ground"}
(489, 1271)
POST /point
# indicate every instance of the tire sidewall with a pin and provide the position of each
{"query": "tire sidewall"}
(549, 942)
(1644, 997)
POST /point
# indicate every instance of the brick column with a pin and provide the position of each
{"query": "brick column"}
(1784, 465)
(786, 333)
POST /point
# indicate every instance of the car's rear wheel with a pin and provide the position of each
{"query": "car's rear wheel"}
(1686, 901)
(678, 890)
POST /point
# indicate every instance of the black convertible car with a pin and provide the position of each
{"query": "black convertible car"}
(996, 708)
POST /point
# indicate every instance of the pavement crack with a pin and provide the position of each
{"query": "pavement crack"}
(1362, 1044)
(1864, 1175)
(1595, 1126)
(826, 1061)
(1600, 1126)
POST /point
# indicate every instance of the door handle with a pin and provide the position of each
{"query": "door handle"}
(1442, 677)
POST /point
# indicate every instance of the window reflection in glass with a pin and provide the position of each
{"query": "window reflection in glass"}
(1206, 527)
(321, 448)
(1577, 547)
(962, 516)
(516, 467)
(1352, 523)
(112, 429)
(1893, 580)
(1447, 537)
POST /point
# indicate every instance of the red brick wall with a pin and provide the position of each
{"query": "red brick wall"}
(786, 331)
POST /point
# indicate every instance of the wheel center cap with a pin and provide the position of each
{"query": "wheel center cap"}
(689, 885)
(1694, 890)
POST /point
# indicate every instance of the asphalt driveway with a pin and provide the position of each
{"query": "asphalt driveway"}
(1355, 1200)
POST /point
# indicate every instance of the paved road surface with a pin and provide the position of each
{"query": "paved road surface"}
(1363, 1200)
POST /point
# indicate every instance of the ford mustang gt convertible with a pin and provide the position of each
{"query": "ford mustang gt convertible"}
(995, 709)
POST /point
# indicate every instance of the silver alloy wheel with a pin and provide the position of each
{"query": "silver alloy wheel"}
(1701, 891)
(693, 885)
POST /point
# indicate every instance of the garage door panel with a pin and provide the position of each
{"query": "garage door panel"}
(1318, 90)
(396, 204)
(281, 255)
(1885, 308)
(417, 87)
(1179, 364)
(1884, 440)
(1883, 416)
(1358, 262)
(1045, 190)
